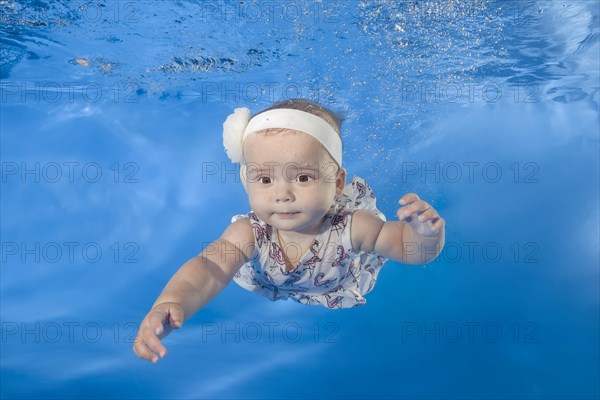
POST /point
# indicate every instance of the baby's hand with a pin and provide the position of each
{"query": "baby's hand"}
(421, 217)
(157, 324)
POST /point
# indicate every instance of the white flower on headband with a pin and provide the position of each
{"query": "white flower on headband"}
(233, 133)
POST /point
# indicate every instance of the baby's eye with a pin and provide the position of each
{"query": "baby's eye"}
(264, 179)
(304, 178)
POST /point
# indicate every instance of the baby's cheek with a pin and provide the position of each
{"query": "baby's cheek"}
(254, 200)
(326, 197)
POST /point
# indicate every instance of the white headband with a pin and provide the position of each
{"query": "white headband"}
(239, 126)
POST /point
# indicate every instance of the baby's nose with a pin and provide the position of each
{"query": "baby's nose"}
(283, 193)
(284, 197)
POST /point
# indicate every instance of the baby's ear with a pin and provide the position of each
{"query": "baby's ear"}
(243, 176)
(340, 182)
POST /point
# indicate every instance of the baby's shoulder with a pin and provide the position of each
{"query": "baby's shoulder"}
(240, 233)
(364, 230)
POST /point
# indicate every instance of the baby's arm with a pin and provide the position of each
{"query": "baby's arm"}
(417, 238)
(196, 283)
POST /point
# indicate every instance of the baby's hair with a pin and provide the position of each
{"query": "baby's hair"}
(332, 118)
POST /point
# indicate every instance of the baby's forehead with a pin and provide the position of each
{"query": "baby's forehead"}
(284, 145)
(294, 165)
(286, 167)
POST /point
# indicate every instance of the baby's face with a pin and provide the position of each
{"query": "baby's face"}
(291, 180)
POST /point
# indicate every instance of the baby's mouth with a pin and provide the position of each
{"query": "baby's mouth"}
(286, 214)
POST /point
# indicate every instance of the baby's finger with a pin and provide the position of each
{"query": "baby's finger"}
(408, 198)
(156, 347)
(419, 207)
(156, 320)
(176, 317)
(405, 212)
(142, 351)
(416, 207)
(437, 226)
(428, 214)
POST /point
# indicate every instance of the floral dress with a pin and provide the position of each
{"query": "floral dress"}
(330, 273)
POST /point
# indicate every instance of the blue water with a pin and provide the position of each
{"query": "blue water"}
(113, 175)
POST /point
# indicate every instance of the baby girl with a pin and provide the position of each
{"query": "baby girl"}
(309, 237)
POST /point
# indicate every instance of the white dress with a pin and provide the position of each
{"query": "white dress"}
(330, 273)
